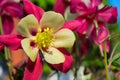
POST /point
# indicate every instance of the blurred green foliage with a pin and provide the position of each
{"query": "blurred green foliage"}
(45, 4)
(105, 1)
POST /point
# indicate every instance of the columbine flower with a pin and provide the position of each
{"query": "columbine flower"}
(91, 10)
(90, 13)
(44, 37)
(8, 10)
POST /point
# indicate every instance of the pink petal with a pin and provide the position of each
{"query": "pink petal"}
(11, 41)
(2, 2)
(84, 26)
(60, 6)
(7, 23)
(80, 25)
(1, 46)
(96, 2)
(30, 8)
(67, 65)
(77, 6)
(72, 24)
(102, 35)
(14, 9)
(109, 14)
(33, 70)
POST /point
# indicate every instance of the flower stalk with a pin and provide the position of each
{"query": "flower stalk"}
(103, 53)
(1, 30)
(7, 54)
(9, 62)
(105, 63)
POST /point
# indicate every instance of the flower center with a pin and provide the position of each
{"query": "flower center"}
(44, 38)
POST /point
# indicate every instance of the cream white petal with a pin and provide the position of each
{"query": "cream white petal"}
(52, 20)
(26, 25)
(29, 50)
(64, 38)
(53, 56)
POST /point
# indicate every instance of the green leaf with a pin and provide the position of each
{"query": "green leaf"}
(116, 64)
(115, 57)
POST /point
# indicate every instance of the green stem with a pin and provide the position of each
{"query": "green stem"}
(112, 53)
(105, 63)
(9, 61)
(105, 53)
(7, 54)
(96, 26)
(1, 30)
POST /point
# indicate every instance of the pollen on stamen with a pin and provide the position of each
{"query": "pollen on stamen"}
(44, 38)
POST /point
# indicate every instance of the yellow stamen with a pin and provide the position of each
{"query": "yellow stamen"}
(44, 38)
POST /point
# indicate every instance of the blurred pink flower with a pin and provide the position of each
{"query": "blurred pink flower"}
(88, 11)
(91, 19)
(8, 10)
